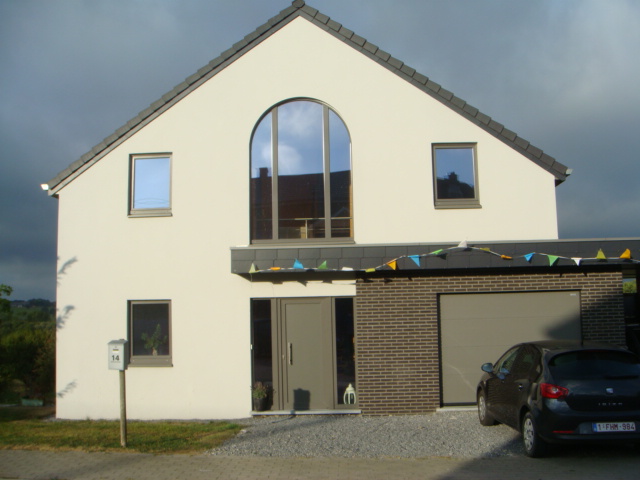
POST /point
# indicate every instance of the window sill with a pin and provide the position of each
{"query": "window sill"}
(142, 214)
(449, 206)
(151, 362)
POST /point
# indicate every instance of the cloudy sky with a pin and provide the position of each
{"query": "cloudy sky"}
(563, 74)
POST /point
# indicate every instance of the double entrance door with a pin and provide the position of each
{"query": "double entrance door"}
(312, 352)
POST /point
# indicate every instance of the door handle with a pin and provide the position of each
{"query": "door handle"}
(290, 350)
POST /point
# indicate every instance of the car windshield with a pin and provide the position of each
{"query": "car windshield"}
(594, 364)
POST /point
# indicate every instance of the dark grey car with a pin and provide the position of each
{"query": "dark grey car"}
(558, 391)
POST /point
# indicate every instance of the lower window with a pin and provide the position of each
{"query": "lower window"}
(150, 333)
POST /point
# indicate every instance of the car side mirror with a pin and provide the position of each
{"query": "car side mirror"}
(487, 367)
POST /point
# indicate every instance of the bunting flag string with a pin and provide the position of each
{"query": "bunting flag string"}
(442, 253)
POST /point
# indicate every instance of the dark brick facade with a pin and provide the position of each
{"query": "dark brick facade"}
(397, 340)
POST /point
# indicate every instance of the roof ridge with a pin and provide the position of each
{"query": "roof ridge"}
(300, 8)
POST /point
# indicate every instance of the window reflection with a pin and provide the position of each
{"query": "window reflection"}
(455, 173)
(151, 183)
(301, 189)
(345, 347)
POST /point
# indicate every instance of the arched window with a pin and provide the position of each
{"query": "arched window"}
(301, 174)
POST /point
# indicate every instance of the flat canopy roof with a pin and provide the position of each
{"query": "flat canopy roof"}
(259, 259)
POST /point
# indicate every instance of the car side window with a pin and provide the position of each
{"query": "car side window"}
(527, 363)
(505, 364)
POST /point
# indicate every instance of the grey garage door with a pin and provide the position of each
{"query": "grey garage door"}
(478, 328)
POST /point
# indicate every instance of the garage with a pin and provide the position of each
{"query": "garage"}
(477, 328)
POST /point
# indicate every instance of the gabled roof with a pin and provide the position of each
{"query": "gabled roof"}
(299, 9)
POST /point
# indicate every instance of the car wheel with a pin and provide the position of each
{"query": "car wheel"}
(483, 415)
(534, 446)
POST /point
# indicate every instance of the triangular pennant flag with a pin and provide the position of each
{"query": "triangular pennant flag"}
(552, 259)
(528, 256)
(253, 268)
(370, 270)
(463, 244)
(323, 266)
(577, 260)
(275, 269)
(393, 264)
(485, 249)
(436, 252)
(297, 264)
(347, 269)
(416, 259)
(626, 255)
(506, 257)
(601, 255)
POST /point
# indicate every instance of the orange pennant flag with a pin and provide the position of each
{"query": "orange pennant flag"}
(506, 257)
(626, 255)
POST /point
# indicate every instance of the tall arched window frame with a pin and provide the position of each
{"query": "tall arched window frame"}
(301, 175)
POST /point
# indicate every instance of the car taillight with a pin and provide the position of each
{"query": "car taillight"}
(548, 390)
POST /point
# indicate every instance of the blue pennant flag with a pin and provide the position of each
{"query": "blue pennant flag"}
(528, 256)
(297, 264)
(415, 258)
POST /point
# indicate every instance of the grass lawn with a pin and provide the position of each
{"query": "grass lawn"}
(34, 428)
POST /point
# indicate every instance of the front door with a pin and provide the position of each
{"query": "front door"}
(305, 353)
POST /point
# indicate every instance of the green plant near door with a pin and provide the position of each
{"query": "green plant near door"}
(155, 341)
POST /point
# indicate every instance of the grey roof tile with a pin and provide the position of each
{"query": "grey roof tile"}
(420, 78)
(511, 136)
(383, 55)
(481, 117)
(471, 110)
(370, 47)
(358, 40)
(322, 18)
(458, 102)
(334, 25)
(394, 62)
(345, 32)
(299, 8)
(522, 143)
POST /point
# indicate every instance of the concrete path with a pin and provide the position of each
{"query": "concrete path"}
(37, 465)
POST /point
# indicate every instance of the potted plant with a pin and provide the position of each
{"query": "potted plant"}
(155, 341)
(261, 393)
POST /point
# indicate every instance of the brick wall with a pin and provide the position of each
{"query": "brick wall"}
(397, 343)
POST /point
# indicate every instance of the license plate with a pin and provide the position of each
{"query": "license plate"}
(614, 427)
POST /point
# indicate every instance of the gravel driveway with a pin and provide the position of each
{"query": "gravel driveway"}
(447, 433)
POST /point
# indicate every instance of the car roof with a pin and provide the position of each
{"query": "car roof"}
(557, 346)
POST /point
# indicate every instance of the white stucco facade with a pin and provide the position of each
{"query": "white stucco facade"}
(185, 257)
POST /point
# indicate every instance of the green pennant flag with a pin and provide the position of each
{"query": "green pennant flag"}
(552, 259)
(601, 255)
(253, 268)
(436, 252)
(370, 270)
(323, 266)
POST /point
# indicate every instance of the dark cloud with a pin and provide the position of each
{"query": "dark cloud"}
(562, 74)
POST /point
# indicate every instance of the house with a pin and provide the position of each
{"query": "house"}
(309, 212)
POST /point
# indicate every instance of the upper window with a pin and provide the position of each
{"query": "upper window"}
(455, 176)
(150, 333)
(150, 185)
(301, 174)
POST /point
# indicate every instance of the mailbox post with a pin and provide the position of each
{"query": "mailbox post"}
(119, 360)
